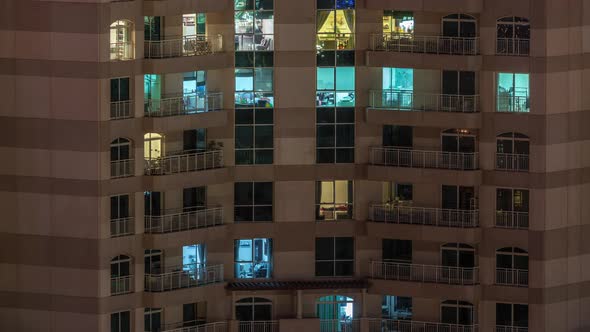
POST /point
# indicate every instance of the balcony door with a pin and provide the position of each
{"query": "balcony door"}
(194, 314)
(152, 28)
(194, 140)
(459, 25)
(457, 255)
(253, 309)
(456, 312)
(194, 199)
(152, 203)
(119, 207)
(398, 136)
(458, 198)
(458, 83)
(458, 140)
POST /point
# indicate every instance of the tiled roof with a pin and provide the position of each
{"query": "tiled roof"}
(297, 284)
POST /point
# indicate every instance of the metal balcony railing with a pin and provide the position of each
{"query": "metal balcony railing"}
(121, 109)
(512, 277)
(501, 328)
(424, 273)
(197, 327)
(399, 214)
(512, 219)
(405, 157)
(386, 325)
(407, 42)
(122, 168)
(122, 227)
(184, 276)
(340, 325)
(193, 45)
(121, 285)
(512, 162)
(186, 162)
(513, 46)
(513, 104)
(122, 51)
(184, 104)
(403, 100)
(183, 220)
(259, 326)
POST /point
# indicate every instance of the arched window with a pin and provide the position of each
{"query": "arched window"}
(459, 25)
(457, 255)
(253, 309)
(512, 152)
(335, 312)
(153, 147)
(512, 266)
(457, 312)
(513, 36)
(458, 140)
(120, 275)
(122, 40)
(121, 160)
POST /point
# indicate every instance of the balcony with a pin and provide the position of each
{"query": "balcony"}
(185, 104)
(512, 219)
(259, 326)
(194, 45)
(409, 43)
(340, 325)
(512, 162)
(397, 214)
(424, 273)
(122, 227)
(122, 168)
(513, 104)
(209, 327)
(406, 157)
(380, 325)
(121, 285)
(122, 51)
(183, 220)
(513, 46)
(184, 162)
(403, 100)
(501, 328)
(512, 277)
(183, 276)
(121, 109)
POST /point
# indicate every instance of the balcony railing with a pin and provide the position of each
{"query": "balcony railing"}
(513, 46)
(399, 214)
(186, 162)
(512, 219)
(424, 273)
(340, 325)
(501, 328)
(383, 325)
(259, 326)
(184, 105)
(209, 327)
(406, 42)
(183, 220)
(121, 285)
(122, 168)
(122, 227)
(512, 277)
(121, 109)
(405, 157)
(193, 45)
(512, 162)
(184, 276)
(122, 51)
(513, 104)
(403, 100)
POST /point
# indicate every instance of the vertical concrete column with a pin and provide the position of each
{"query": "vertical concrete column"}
(233, 311)
(364, 303)
(299, 304)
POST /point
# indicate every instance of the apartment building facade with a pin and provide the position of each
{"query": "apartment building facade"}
(276, 165)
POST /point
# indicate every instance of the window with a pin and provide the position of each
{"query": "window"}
(194, 199)
(398, 88)
(512, 93)
(396, 307)
(119, 207)
(254, 25)
(120, 149)
(121, 321)
(512, 267)
(513, 36)
(335, 87)
(457, 255)
(152, 28)
(458, 198)
(253, 201)
(334, 256)
(335, 28)
(194, 259)
(253, 258)
(397, 193)
(120, 106)
(335, 309)
(457, 312)
(334, 200)
(254, 309)
(512, 315)
(397, 251)
(152, 201)
(458, 140)
(153, 147)
(122, 40)
(459, 25)
(514, 200)
(121, 275)
(335, 135)
(152, 319)
(194, 314)
(512, 152)
(398, 136)
(194, 94)
(152, 261)
(194, 24)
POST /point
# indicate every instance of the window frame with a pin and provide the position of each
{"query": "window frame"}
(349, 205)
(334, 260)
(253, 262)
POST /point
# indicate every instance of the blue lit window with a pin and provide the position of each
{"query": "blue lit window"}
(253, 258)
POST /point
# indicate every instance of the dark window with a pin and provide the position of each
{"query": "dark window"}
(399, 251)
(457, 312)
(253, 309)
(458, 255)
(254, 136)
(398, 136)
(119, 89)
(194, 199)
(152, 319)
(512, 200)
(194, 313)
(152, 203)
(121, 321)
(512, 315)
(253, 201)
(119, 207)
(335, 135)
(334, 256)
(194, 140)
(458, 198)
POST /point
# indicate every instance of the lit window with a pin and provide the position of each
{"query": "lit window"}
(398, 22)
(334, 200)
(253, 258)
(396, 307)
(513, 93)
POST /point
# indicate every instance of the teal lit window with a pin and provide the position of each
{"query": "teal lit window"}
(513, 94)
(335, 87)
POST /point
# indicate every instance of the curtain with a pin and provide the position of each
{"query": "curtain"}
(322, 17)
